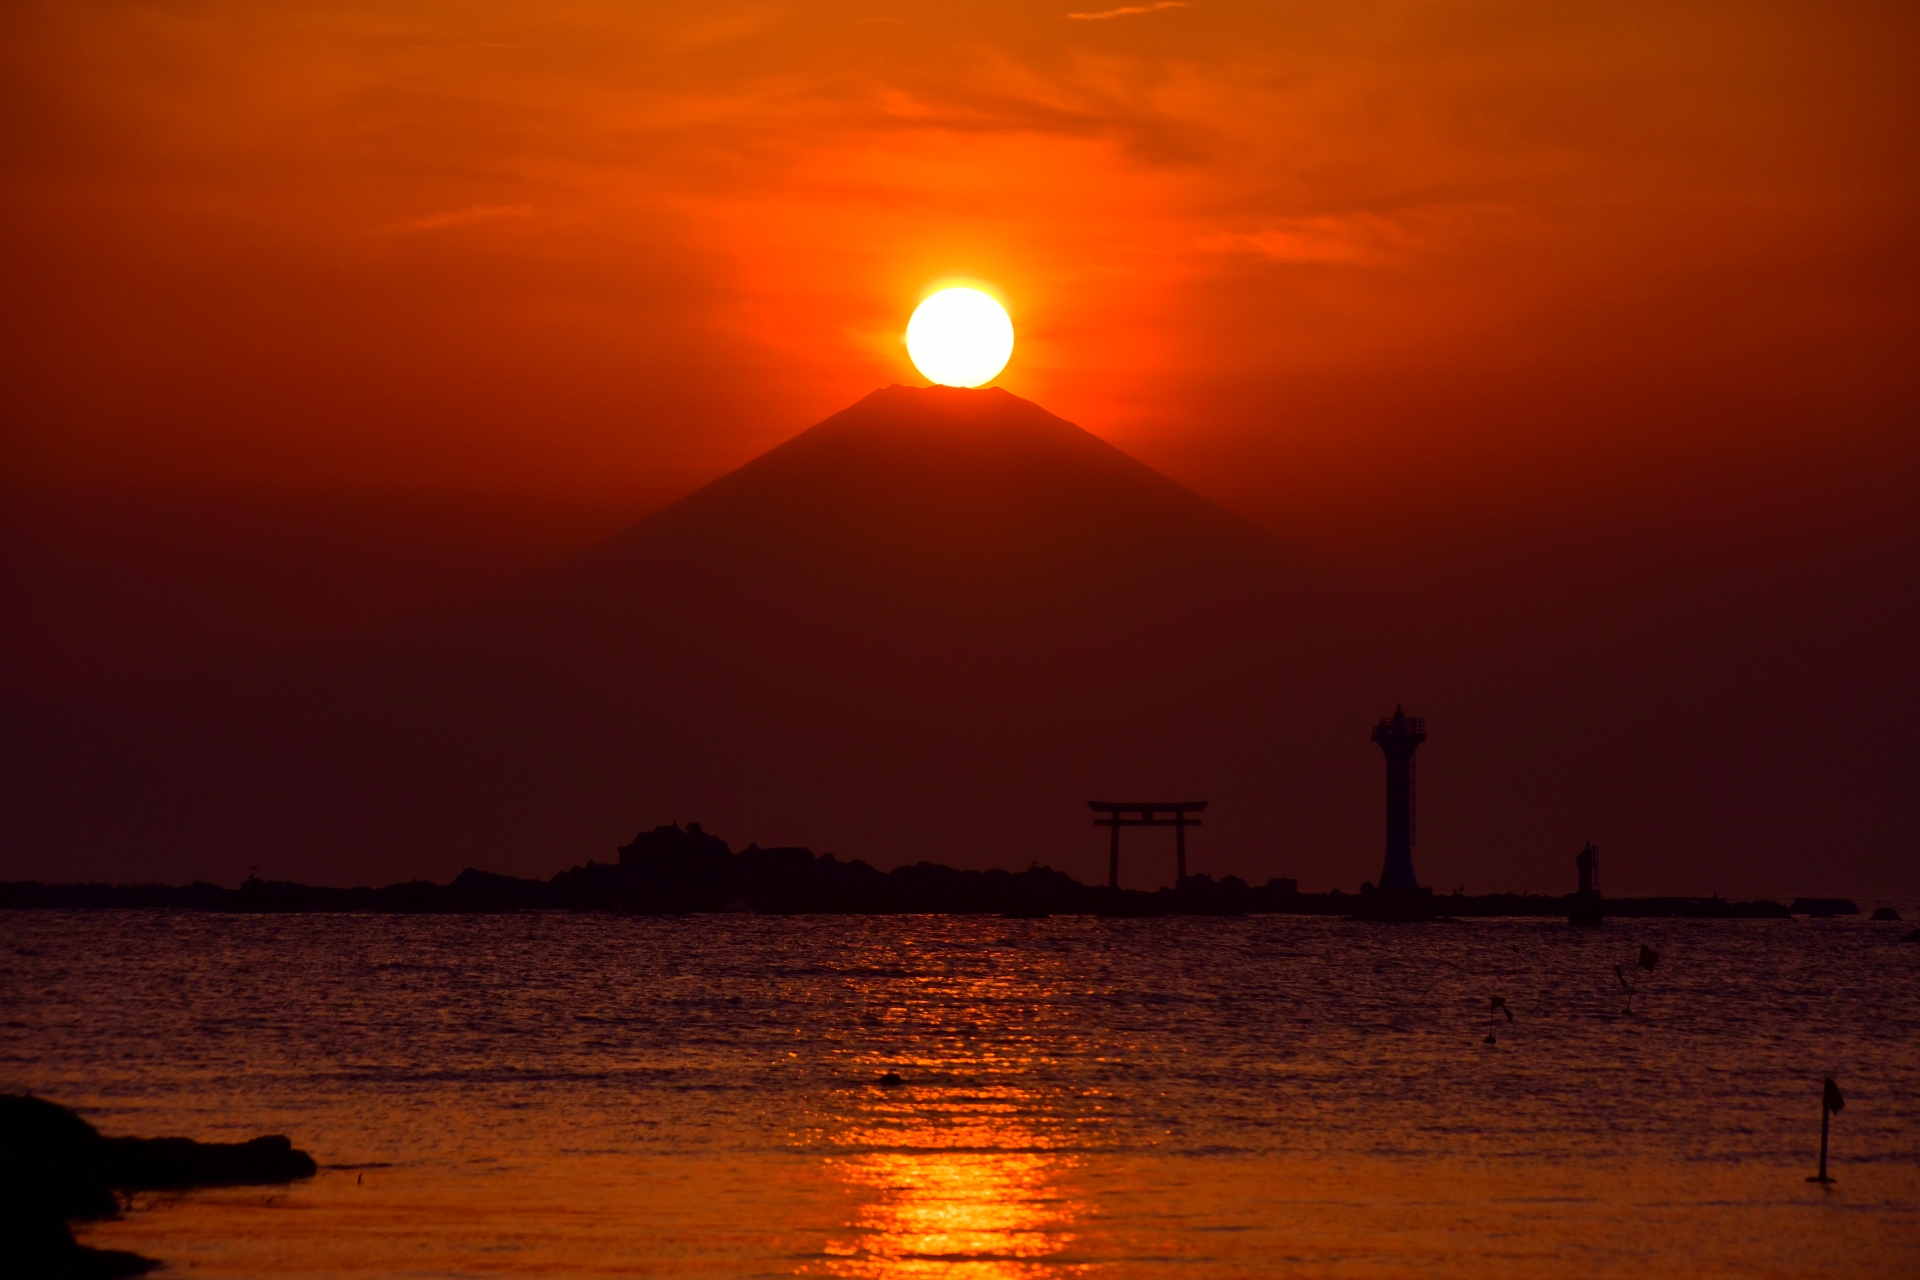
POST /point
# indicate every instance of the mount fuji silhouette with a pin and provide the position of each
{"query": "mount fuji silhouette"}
(930, 627)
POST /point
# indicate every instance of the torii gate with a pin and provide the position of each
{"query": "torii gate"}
(1148, 816)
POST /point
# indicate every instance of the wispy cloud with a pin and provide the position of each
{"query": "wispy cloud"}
(1360, 239)
(460, 217)
(1127, 10)
(1356, 238)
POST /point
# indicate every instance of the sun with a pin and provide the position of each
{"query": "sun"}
(960, 337)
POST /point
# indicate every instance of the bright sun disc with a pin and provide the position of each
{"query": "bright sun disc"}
(960, 337)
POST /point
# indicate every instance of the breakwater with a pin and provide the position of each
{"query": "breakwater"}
(673, 871)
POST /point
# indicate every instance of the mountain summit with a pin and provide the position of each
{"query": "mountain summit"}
(932, 626)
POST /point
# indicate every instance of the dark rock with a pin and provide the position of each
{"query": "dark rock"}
(1824, 908)
(1203, 896)
(55, 1166)
(1397, 906)
(198, 896)
(1913, 935)
(891, 1080)
(40, 1246)
(163, 1164)
(1715, 908)
(671, 869)
(1119, 904)
(1885, 913)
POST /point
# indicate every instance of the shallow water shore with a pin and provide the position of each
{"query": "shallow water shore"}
(582, 1094)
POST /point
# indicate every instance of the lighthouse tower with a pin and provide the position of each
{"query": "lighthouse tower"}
(1398, 738)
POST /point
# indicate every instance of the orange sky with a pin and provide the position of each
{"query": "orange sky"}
(1576, 317)
(615, 248)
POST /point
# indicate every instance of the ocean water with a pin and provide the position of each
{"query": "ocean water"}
(1266, 1096)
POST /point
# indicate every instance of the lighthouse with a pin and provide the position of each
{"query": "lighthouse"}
(1399, 737)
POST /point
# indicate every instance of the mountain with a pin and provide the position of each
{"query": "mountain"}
(932, 626)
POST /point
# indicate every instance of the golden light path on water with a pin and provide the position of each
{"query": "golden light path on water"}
(982, 1215)
(587, 1096)
(950, 1181)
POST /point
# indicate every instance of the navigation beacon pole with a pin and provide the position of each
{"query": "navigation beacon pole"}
(1398, 739)
(1398, 896)
(1831, 1100)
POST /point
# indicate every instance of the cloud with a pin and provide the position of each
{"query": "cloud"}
(460, 217)
(1360, 239)
(1127, 10)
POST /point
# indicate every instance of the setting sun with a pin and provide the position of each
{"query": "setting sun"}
(960, 337)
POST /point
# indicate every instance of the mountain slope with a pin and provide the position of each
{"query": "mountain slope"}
(933, 625)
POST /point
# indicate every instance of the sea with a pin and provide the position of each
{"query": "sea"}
(707, 1096)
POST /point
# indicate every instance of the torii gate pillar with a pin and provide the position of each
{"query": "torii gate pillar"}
(1148, 815)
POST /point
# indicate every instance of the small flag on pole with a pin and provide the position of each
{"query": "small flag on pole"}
(1495, 1004)
(1648, 958)
(1832, 1099)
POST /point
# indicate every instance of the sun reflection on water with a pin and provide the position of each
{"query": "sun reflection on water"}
(972, 1214)
(967, 1168)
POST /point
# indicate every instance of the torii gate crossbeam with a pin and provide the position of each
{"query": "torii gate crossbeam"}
(1146, 815)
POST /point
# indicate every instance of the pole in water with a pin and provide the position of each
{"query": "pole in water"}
(1830, 1102)
(1495, 1004)
(1648, 958)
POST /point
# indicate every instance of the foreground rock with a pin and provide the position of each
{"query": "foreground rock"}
(55, 1166)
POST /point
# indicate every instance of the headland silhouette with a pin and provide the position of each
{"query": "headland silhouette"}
(682, 870)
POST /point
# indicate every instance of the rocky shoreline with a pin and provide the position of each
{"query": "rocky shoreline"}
(55, 1167)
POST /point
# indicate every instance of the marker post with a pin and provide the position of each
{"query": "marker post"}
(1830, 1102)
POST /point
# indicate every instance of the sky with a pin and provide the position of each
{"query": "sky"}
(1583, 325)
